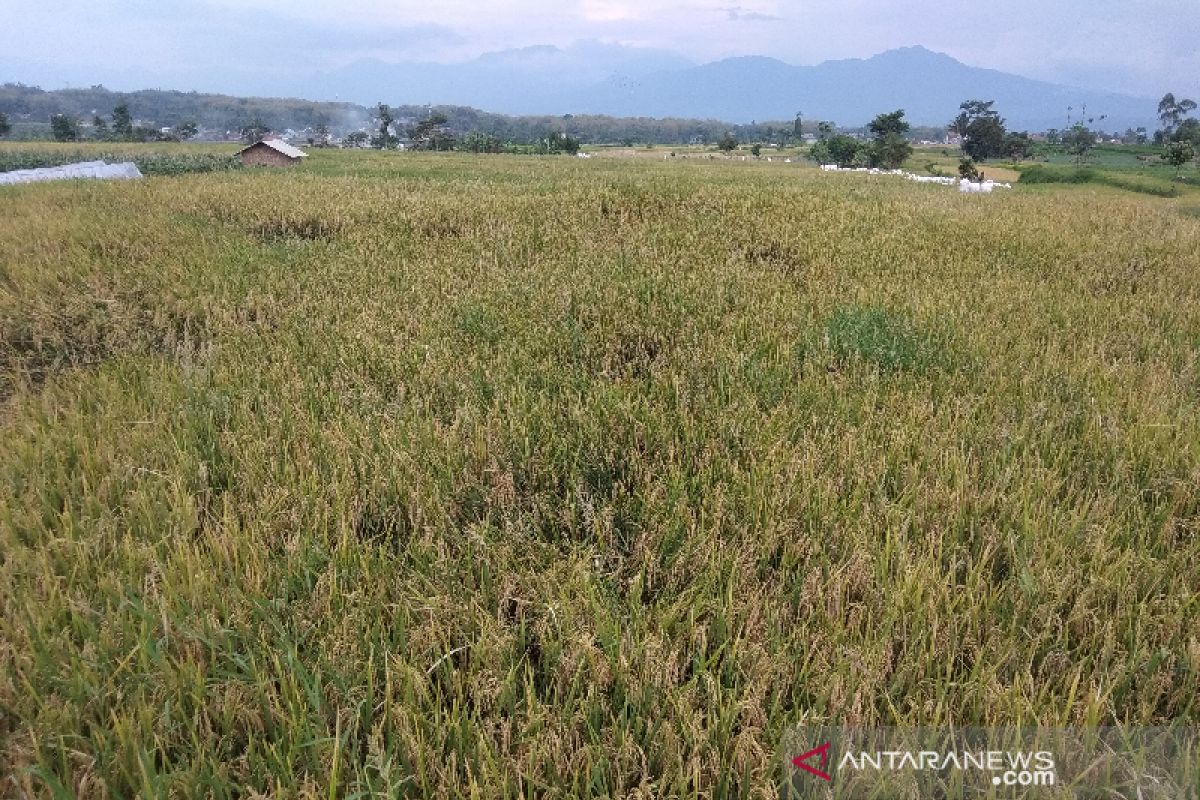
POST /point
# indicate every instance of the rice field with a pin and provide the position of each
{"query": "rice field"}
(493, 477)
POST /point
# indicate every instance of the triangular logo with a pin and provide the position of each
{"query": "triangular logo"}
(822, 751)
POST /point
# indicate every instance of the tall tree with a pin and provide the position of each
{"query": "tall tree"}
(385, 139)
(890, 148)
(64, 128)
(981, 128)
(122, 124)
(1171, 112)
(5, 127)
(430, 133)
(892, 122)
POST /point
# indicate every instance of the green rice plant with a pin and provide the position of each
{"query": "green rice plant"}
(884, 339)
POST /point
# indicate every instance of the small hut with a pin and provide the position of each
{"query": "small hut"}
(271, 153)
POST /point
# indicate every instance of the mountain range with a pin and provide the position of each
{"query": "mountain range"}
(592, 78)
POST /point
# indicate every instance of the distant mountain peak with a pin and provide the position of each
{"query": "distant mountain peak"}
(914, 49)
(914, 54)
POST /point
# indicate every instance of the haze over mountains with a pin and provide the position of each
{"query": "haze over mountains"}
(595, 78)
(631, 82)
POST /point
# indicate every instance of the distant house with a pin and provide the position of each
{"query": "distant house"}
(271, 153)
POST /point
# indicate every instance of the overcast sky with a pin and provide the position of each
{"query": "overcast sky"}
(1144, 47)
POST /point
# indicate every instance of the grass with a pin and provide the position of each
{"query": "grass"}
(1114, 156)
(1157, 185)
(449, 476)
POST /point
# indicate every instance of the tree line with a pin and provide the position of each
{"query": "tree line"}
(178, 116)
(474, 128)
(120, 127)
(231, 117)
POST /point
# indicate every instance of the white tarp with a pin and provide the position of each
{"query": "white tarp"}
(98, 170)
(963, 184)
(982, 186)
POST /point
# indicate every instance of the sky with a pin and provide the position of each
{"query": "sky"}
(1140, 47)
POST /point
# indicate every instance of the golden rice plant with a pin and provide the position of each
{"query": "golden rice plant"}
(451, 476)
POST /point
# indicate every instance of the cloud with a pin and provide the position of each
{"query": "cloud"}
(604, 11)
(738, 14)
(155, 35)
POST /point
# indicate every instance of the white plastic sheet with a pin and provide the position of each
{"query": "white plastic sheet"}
(86, 170)
(963, 184)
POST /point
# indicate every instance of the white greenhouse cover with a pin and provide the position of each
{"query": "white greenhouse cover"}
(84, 169)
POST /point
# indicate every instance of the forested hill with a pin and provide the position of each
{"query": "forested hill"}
(30, 108)
(163, 107)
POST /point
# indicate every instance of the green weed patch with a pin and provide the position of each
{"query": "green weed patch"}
(884, 339)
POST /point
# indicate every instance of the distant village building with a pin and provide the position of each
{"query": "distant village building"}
(271, 153)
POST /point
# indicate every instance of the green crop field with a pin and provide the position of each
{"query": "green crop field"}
(443, 476)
